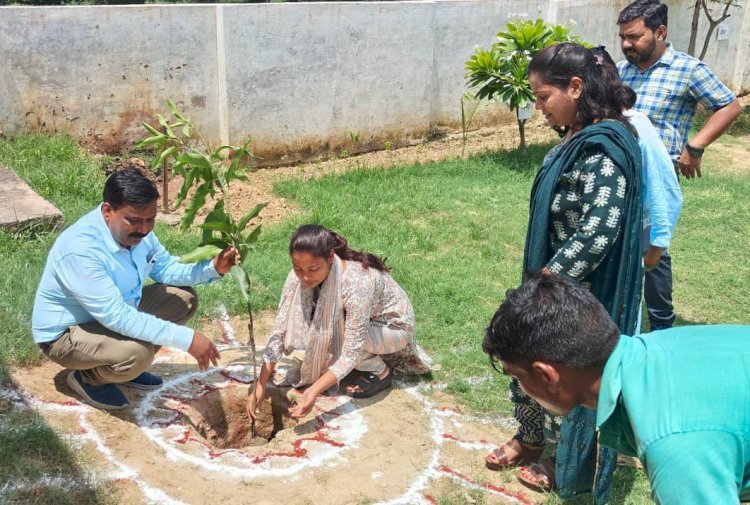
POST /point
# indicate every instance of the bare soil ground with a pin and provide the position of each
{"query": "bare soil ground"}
(410, 445)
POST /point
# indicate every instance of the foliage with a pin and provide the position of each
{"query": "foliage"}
(209, 171)
(502, 70)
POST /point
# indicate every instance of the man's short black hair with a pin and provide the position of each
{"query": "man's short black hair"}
(129, 186)
(653, 12)
(549, 318)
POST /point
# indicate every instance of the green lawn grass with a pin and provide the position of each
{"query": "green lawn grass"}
(453, 233)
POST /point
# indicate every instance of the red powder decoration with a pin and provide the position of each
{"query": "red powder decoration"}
(490, 487)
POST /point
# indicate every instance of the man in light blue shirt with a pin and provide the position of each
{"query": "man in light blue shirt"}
(92, 313)
(662, 197)
(679, 400)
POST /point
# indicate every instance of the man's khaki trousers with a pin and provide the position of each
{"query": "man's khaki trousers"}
(106, 357)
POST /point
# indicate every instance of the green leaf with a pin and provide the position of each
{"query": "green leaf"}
(240, 279)
(201, 253)
(198, 160)
(173, 108)
(249, 215)
(199, 199)
(166, 153)
(217, 214)
(156, 139)
(151, 129)
(218, 242)
(186, 184)
(251, 237)
(222, 226)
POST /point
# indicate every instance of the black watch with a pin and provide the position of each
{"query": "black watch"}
(694, 152)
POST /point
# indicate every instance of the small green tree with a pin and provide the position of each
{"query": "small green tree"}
(210, 171)
(502, 70)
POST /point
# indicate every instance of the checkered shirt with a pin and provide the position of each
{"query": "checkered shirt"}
(669, 91)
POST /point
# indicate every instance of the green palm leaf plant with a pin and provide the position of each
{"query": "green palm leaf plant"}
(502, 70)
(210, 171)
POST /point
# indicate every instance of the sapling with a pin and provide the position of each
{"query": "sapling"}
(210, 171)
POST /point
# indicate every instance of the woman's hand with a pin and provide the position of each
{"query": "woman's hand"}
(305, 404)
(259, 389)
(255, 398)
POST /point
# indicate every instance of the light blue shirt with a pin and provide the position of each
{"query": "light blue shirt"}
(662, 197)
(90, 277)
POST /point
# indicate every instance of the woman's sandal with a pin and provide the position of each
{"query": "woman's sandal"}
(498, 459)
(539, 477)
(350, 379)
(369, 385)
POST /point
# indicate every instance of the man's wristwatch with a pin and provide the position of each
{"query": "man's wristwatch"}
(694, 152)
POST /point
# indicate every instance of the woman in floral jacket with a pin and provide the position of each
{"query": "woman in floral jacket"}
(345, 311)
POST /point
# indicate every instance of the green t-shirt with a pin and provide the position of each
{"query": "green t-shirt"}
(679, 399)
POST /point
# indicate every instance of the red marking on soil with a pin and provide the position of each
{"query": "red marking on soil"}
(125, 480)
(297, 452)
(67, 403)
(456, 439)
(490, 487)
(232, 378)
(430, 498)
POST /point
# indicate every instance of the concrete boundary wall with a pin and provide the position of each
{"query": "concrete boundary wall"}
(304, 80)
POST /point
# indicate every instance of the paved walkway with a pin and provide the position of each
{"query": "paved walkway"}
(22, 208)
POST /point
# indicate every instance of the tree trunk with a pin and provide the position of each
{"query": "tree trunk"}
(713, 23)
(710, 32)
(251, 343)
(522, 133)
(694, 27)
(165, 187)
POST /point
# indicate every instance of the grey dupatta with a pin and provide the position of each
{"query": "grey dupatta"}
(322, 335)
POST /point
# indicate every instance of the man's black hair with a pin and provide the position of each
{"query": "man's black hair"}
(549, 318)
(129, 186)
(653, 12)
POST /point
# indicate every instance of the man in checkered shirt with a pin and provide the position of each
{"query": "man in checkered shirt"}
(669, 85)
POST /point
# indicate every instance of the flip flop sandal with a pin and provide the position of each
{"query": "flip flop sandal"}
(539, 477)
(498, 459)
(370, 385)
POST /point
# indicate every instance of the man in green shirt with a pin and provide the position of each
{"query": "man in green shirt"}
(679, 400)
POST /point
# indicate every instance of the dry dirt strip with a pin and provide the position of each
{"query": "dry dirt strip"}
(408, 446)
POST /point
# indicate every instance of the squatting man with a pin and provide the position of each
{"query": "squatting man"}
(93, 313)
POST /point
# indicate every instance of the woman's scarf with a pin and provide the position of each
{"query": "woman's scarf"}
(322, 335)
(616, 283)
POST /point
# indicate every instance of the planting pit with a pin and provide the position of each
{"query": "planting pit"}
(221, 419)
